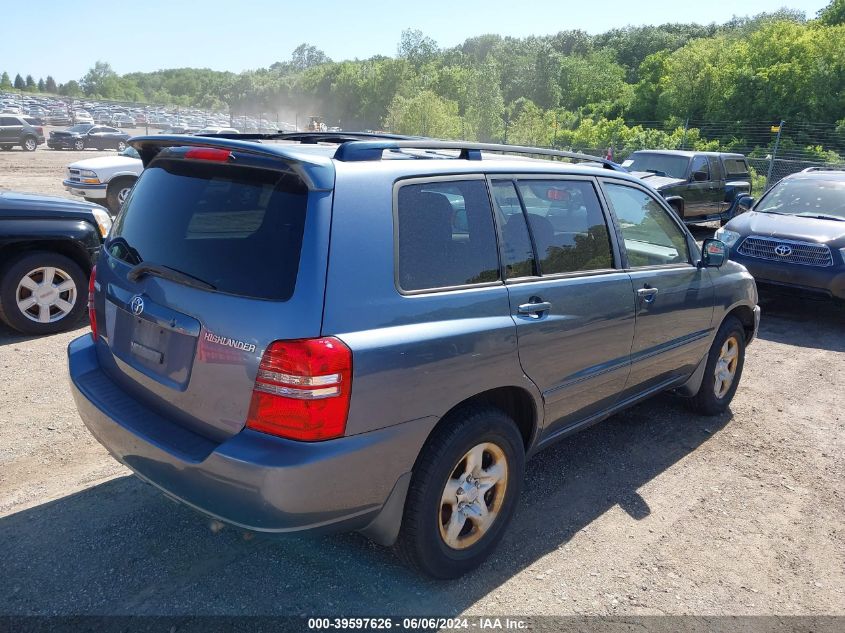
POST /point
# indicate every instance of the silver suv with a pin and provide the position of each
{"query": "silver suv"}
(373, 334)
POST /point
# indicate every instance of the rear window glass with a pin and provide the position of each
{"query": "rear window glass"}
(736, 167)
(446, 235)
(236, 228)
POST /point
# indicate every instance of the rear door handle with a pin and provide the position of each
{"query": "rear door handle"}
(534, 309)
(647, 294)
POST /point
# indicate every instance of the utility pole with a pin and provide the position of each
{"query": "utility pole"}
(686, 127)
(774, 153)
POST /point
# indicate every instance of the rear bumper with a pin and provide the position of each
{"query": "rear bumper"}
(814, 281)
(252, 480)
(88, 191)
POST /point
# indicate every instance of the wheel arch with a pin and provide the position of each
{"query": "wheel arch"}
(745, 315)
(69, 248)
(514, 401)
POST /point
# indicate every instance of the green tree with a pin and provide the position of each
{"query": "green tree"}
(485, 105)
(41, 85)
(19, 82)
(833, 14)
(424, 114)
(30, 84)
(100, 80)
(417, 47)
(71, 89)
(5, 82)
(50, 85)
(306, 56)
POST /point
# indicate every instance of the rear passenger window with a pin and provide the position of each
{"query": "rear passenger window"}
(446, 235)
(567, 224)
(736, 167)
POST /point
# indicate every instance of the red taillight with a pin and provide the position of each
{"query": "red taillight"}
(208, 153)
(302, 389)
(92, 312)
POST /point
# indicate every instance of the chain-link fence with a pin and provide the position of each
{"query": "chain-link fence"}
(773, 150)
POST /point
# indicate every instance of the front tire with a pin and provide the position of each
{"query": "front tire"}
(463, 493)
(121, 145)
(79, 145)
(42, 293)
(723, 371)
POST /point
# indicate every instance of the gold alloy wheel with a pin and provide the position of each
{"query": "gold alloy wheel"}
(726, 367)
(473, 495)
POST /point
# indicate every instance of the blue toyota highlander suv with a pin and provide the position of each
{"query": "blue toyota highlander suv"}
(371, 333)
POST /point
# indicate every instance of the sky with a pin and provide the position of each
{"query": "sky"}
(245, 34)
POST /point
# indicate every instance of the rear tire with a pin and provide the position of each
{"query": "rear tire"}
(117, 191)
(121, 145)
(30, 144)
(723, 371)
(22, 286)
(453, 522)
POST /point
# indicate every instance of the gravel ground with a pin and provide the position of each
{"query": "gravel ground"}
(655, 511)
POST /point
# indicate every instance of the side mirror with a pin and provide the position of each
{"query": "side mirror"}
(700, 176)
(745, 203)
(714, 253)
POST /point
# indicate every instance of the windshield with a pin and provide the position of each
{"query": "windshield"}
(660, 164)
(84, 127)
(807, 197)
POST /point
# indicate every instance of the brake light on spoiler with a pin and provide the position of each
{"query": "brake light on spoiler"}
(209, 153)
(302, 390)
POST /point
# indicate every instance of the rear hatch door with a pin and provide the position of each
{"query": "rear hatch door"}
(217, 252)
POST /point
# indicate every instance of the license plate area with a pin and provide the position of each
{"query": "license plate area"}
(152, 347)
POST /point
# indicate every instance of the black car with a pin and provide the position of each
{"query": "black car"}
(85, 135)
(699, 186)
(793, 239)
(47, 249)
(16, 130)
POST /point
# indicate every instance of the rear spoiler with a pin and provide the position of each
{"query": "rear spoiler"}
(316, 171)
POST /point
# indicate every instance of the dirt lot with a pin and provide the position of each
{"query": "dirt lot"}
(655, 511)
(43, 170)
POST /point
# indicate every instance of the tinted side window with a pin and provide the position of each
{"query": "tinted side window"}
(736, 167)
(715, 168)
(651, 236)
(517, 252)
(8, 120)
(699, 163)
(567, 224)
(446, 235)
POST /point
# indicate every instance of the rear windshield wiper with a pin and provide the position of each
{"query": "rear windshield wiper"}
(165, 272)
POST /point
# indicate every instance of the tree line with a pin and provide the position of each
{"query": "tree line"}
(566, 89)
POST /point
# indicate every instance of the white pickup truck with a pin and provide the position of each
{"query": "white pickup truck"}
(105, 180)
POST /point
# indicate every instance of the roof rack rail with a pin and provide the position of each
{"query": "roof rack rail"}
(823, 168)
(312, 137)
(362, 150)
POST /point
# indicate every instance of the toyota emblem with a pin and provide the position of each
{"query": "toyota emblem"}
(137, 305)
(783, 250)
